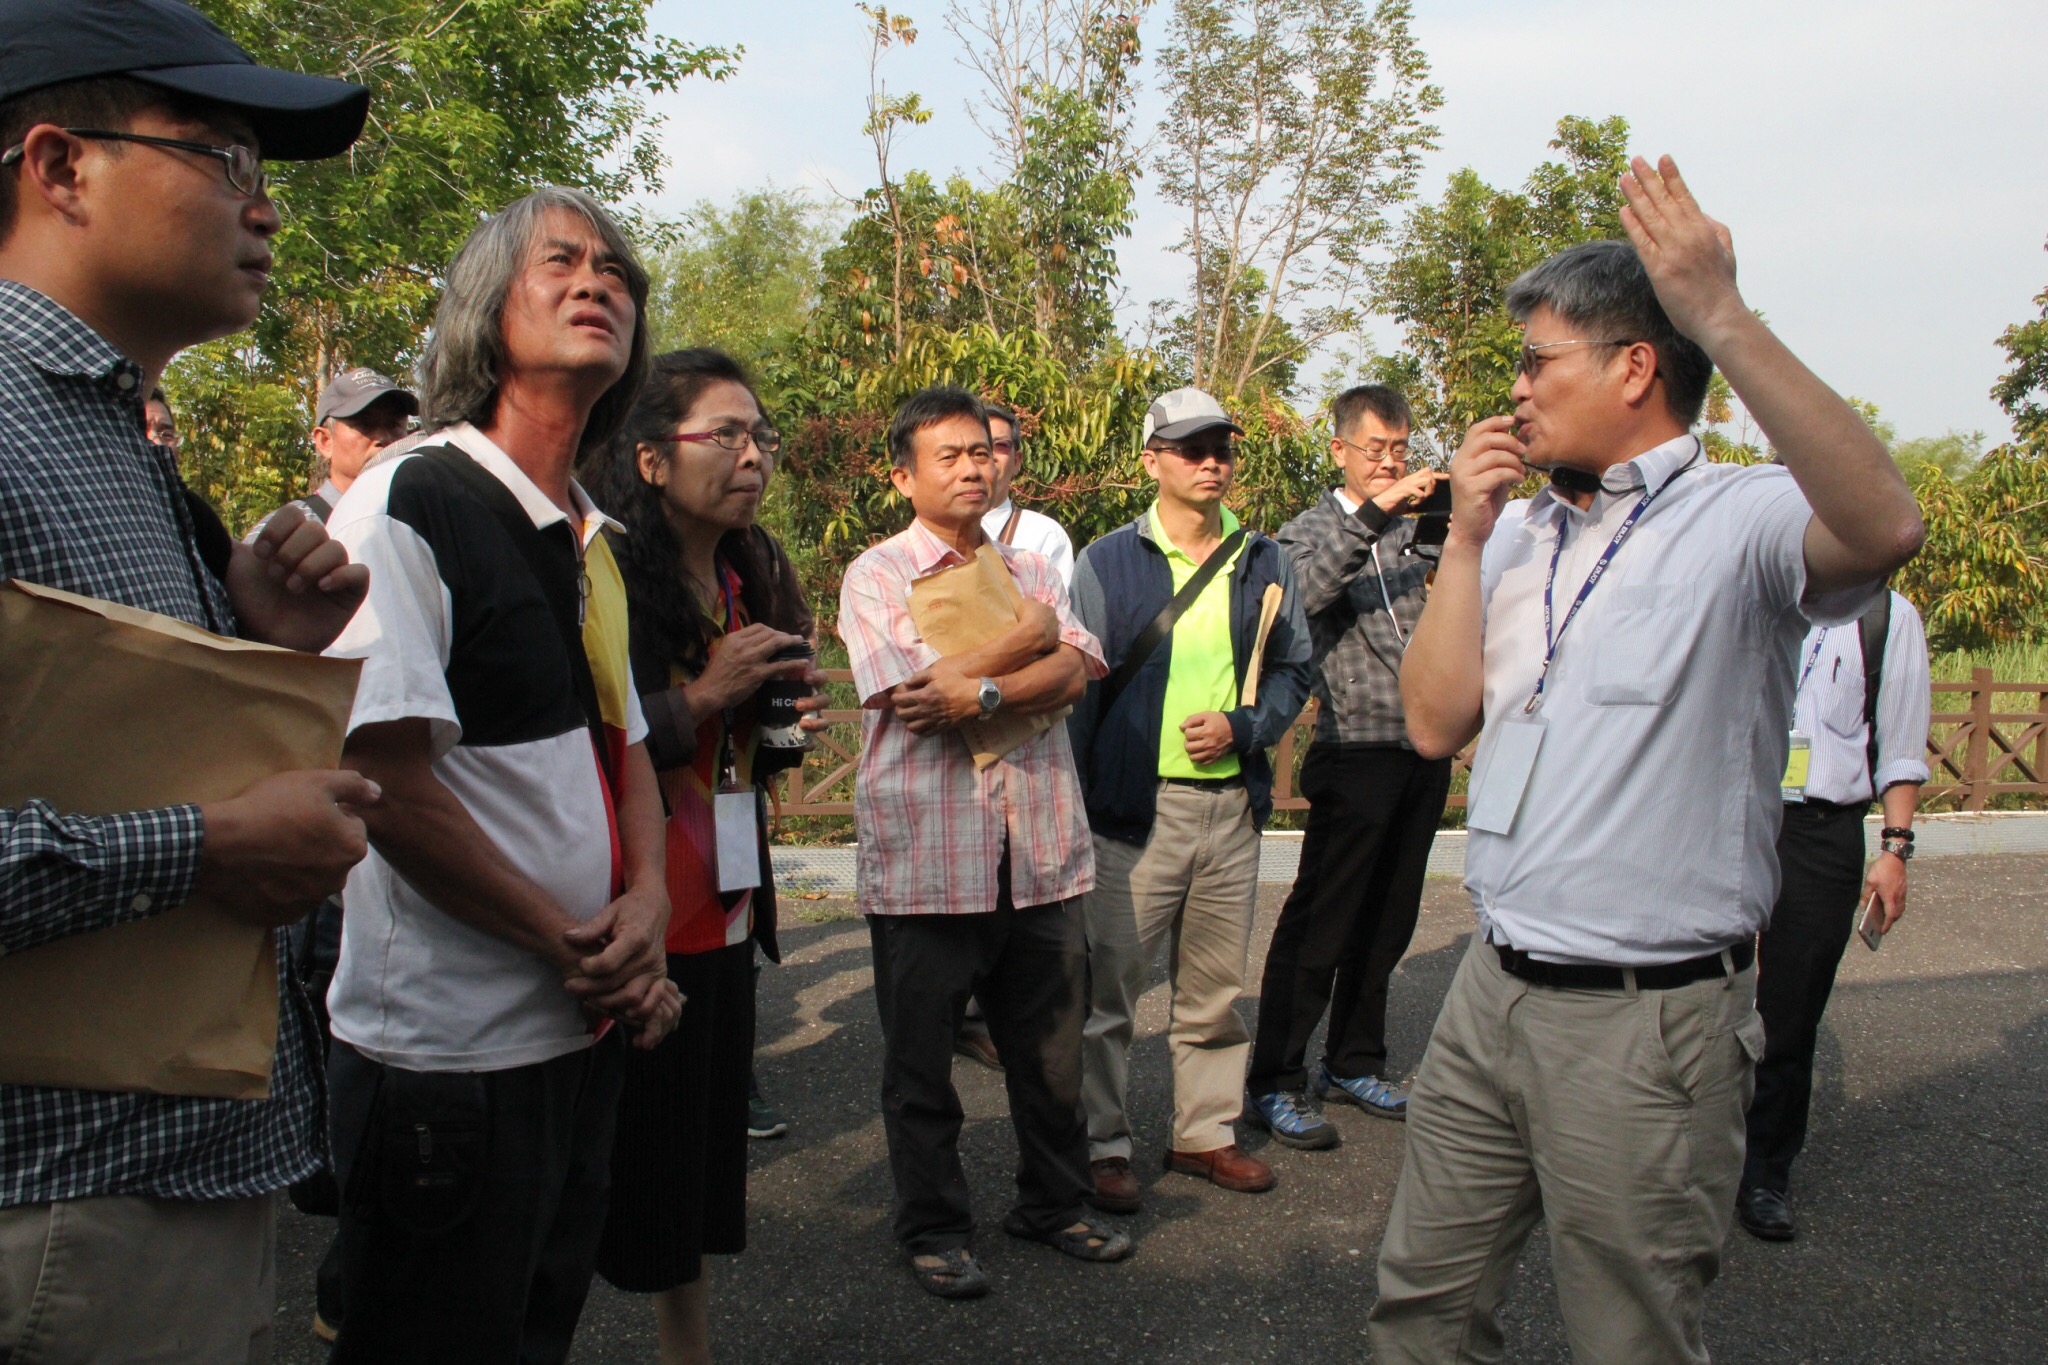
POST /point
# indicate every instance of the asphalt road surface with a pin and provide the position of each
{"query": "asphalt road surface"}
(1922, 1196)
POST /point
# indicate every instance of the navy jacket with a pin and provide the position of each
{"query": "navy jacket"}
(1120, 584)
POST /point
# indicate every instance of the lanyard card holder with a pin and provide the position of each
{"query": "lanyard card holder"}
(736, 810)
(1497, 797)
(1798, 765)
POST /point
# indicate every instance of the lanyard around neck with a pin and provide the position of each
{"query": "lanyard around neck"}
(1553, 637)
(1812, 658)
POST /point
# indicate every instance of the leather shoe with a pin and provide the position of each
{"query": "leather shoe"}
(1228, 1167)
(1765, 1214)
(973, 1043)
(1116, 1185)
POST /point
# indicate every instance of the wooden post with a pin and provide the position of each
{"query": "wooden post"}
(1977, 758)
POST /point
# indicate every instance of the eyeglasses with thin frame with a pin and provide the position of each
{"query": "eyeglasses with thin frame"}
(1532, 352)
(1006, 448)
(766, 439)
(243, 166)
(1402, 451)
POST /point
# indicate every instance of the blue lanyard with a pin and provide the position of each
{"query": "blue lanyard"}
(1812, 658)
(1628, 524)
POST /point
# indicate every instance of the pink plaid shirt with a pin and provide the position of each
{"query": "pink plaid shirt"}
(932, 826)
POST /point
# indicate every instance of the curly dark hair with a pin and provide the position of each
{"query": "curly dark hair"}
(662, 612)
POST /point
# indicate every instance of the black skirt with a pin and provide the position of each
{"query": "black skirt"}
(679, 1160)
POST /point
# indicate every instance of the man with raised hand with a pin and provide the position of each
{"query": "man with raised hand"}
(135, 222)
(1195, 615)
(1626, 639)
(507, 927)
(971, 877)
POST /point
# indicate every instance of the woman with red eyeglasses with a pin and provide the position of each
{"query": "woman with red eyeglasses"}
(721, 643)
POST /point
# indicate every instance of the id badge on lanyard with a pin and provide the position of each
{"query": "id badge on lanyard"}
(1799, 749)
(736, 810)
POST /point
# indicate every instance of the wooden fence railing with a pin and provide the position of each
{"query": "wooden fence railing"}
(1988, 749)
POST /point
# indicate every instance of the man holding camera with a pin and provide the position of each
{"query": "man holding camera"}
(1374, 802)
(1627, 639)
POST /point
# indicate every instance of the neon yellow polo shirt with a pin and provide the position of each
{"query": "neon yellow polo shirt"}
(1202, 674)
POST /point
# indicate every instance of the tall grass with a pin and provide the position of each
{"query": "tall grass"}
(2017, 661)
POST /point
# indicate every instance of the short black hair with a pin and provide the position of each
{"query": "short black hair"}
(110, 102)
(156, 395)
(1602, 289)
(993, 410)
(926, 408)
(1348, 409)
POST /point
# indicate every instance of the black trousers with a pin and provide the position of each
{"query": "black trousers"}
(1029, 967)
(471, 1205)
(1820, 860)
(1372, 816)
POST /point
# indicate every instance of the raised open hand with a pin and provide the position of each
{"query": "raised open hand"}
(1689, 256)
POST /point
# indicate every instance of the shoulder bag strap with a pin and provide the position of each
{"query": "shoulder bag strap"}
(1873, 629)
(1009, 535)
(1162, 625)
(559, 583)
(319, 507)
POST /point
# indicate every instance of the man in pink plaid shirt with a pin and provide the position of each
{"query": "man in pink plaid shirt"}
(971, 879)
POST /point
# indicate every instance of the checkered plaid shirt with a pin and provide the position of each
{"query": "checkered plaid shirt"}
(88, 505)
(932, 826)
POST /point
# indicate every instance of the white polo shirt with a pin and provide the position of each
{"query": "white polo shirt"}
(1829, 709)
(1035, 532)
(1647, 831)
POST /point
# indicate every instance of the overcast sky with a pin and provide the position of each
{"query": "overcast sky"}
(1883, 165)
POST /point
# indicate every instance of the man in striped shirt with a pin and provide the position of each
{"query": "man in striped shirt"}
(971, 878)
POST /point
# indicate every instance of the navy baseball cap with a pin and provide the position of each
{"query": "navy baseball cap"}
(169, 44)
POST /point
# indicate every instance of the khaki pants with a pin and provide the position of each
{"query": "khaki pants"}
(1192, 886)
(124, 1279)
(1616, 1116)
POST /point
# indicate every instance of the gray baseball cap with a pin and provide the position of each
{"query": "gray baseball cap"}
(349, 392)
(1184, 412)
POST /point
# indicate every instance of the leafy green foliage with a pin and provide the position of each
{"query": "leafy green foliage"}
(473, 103)
(1295, 127)
(744, 279)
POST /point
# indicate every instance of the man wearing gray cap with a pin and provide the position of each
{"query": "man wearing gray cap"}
(134, 223)
(359, 413)
(1208, 654)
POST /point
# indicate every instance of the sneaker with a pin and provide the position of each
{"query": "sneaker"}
(1369, 1093)
(1286, 1115)
(763, 1119)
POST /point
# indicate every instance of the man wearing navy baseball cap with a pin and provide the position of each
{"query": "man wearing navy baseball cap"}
(134, 223)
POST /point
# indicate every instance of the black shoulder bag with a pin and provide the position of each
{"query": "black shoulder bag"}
(1162, 625)
(559, 577)
(1873, 629)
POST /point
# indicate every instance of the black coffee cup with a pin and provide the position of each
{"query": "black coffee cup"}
(776, 715)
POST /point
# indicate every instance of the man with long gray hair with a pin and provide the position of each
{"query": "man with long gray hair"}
(1626, 640)
(504, 937)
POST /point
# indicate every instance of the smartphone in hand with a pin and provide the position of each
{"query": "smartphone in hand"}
(1870, 923)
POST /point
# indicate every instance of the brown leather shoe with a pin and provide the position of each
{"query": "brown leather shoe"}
(1116, 1186)
(1230, 1167)
(973, 1042)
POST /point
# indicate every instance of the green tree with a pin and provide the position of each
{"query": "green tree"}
(743, 278)
(2023, 389)
(1446, 282)
(1294, 127)
(473, 102)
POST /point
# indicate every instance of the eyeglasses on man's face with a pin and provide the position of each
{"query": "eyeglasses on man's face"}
(244, 168)
(1532, 357)
(1385, 452)
(734, 438)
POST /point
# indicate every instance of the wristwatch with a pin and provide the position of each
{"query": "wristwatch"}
(991, 697)
(1897, 841)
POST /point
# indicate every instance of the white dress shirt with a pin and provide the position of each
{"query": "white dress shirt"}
(1829, 709)
(1035, 532)
(1647, 830)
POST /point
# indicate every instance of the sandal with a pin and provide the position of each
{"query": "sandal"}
(1084, 1241)
(958, 1276)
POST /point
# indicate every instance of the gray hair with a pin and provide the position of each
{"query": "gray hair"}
(1602, 289)
(459, 372)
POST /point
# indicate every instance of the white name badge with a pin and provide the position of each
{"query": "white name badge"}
(739, 841)
(1494, 804)
(1798, 764)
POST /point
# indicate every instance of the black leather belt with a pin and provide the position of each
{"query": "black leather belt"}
(1207, 784)
(1665, 976)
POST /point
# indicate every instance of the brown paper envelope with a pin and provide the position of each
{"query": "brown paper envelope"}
(962, 608)
(103, 709)
(1269, 611)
